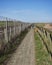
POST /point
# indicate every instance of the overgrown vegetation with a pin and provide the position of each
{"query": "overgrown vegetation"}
(40, 24)
(45, 36)
(3, 23)
(42, 56)
(13, 46)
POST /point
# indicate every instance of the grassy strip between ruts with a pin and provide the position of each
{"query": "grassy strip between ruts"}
(42, 56)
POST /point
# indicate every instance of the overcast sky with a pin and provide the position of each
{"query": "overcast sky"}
(27, 10)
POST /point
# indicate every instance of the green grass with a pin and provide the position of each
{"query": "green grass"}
(2, 23)
(40, 24)
(47, 40)
(42, 56)
(10, 23)
(3, 58)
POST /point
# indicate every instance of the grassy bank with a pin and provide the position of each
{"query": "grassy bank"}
(42, 56)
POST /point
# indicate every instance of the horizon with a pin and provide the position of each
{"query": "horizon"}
(27, 10)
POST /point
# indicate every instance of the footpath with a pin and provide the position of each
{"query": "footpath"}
(25, 53)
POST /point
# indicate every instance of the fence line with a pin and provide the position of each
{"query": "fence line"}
(10, 28)
(47, 37)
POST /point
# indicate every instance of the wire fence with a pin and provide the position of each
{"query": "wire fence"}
(46, 37)
(9, 28)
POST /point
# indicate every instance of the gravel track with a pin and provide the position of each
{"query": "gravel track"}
(25, 53)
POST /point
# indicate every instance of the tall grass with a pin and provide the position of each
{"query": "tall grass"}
(42, 56)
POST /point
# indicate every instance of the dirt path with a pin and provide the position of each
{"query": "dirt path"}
(25, 54)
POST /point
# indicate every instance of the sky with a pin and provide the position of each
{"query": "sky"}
(27, 10)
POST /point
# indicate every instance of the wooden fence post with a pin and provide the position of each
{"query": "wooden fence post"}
(20, 28)
(5, 35)
(14, 29)
(6, 31)
(10, 33)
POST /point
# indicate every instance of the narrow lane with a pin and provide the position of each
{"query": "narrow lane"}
(25, 53)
